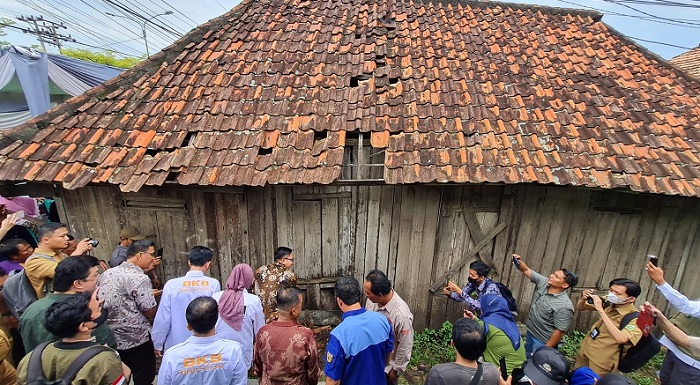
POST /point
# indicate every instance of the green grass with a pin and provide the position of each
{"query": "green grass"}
(432, 346)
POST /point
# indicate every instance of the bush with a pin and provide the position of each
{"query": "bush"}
(432, 346)
(572, 343)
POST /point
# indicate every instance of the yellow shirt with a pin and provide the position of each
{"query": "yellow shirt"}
(40, 268)
(8, 374)
(604, 351)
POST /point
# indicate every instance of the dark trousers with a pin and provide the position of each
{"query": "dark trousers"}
(677, 372)
(142, 362)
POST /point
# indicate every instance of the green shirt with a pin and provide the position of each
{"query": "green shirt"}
(499, 345)
(33, 331)
(548, 312)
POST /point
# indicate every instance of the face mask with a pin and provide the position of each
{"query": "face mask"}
(472, 280)
(99, 321)
(612, 298)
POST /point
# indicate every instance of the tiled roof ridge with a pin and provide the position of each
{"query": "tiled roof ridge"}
(595, 15)
(148, 66)
(688, 62)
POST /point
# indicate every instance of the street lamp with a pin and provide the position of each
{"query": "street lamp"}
(143, 25)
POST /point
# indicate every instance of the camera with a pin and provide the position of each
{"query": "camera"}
(93, 242)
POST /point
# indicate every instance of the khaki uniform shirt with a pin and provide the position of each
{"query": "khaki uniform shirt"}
(40, 270)
(401, 318)
(8, 374)
(604, 351)
(269, 279)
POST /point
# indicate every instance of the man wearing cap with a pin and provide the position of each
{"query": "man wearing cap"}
(546, 367)
(127, 236)
(551, 310)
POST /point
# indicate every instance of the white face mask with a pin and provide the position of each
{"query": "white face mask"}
(612, 298)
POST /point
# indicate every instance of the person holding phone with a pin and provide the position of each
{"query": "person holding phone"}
(681, 364)
(551, 310)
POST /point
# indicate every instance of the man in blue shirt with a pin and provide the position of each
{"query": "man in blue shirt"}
(205, 358)
(357, 349)
(170, 325)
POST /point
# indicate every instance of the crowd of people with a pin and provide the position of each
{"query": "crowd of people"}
(110, 323)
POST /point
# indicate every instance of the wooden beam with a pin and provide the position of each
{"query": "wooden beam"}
(487, 238)
(469, 216)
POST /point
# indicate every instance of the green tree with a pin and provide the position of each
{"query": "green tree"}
(105, 57)
(4, 22)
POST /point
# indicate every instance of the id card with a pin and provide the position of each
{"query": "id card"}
(594, 333)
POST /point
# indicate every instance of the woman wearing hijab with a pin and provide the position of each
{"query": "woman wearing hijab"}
(240, 313)
(502, 334)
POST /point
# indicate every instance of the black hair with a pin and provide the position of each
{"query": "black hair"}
(139, 247)
(10, 248)
(3, 272)
(69, 270)
(347, 288)
(202, 314)
(287, 298)
(378, 282)
(282, 252)
(200, 255)
(64, 316)
(632, 288)
(48, 228)
(469, 339)
(570, 278)
(480, 267)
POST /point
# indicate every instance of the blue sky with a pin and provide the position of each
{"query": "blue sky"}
(674, 22)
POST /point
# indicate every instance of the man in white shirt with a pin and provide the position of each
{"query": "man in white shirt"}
(240, 280)
(204, 358)
(682, 364)
(170, 325)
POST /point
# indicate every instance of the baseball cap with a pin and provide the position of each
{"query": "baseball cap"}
(615, 379)
(547, 367)
(131, 232)
(583, 376)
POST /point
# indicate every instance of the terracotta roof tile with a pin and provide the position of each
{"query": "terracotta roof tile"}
(501, 93)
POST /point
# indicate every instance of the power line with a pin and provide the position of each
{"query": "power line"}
(47, 32)
(614, 13)
(649, 14)
(222, 6)
(659, 42)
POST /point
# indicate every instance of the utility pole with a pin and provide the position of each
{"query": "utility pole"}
(46, 31)
(143, 24)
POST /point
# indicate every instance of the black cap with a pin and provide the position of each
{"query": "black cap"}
(615, 379)
(547, 367)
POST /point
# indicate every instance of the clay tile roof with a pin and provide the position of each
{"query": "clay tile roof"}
(448, 91)
(688, 61)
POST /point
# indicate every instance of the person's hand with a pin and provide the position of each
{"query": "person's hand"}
(393, 375)
(83, 247)
(157, 293)
(156, 261)
(655, 273)
(9, 222)
(452, 288)
(468, 314)
(158, 353)
(597, 302)
(657, 313)
(587, 294)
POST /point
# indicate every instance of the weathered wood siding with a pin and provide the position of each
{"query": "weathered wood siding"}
(414, 233)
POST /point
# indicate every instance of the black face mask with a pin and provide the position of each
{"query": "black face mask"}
(99, 321)
(472, 280)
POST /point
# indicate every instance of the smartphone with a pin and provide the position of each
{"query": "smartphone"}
(504, 370)
(654, 260)
(159, 253)
(516, 262)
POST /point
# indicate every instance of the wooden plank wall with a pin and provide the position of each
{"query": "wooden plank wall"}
(413, 233)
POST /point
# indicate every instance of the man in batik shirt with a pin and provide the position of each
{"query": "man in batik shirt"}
(270, 278)
(285, 352)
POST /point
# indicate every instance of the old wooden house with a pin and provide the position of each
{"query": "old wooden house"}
(410, 136)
